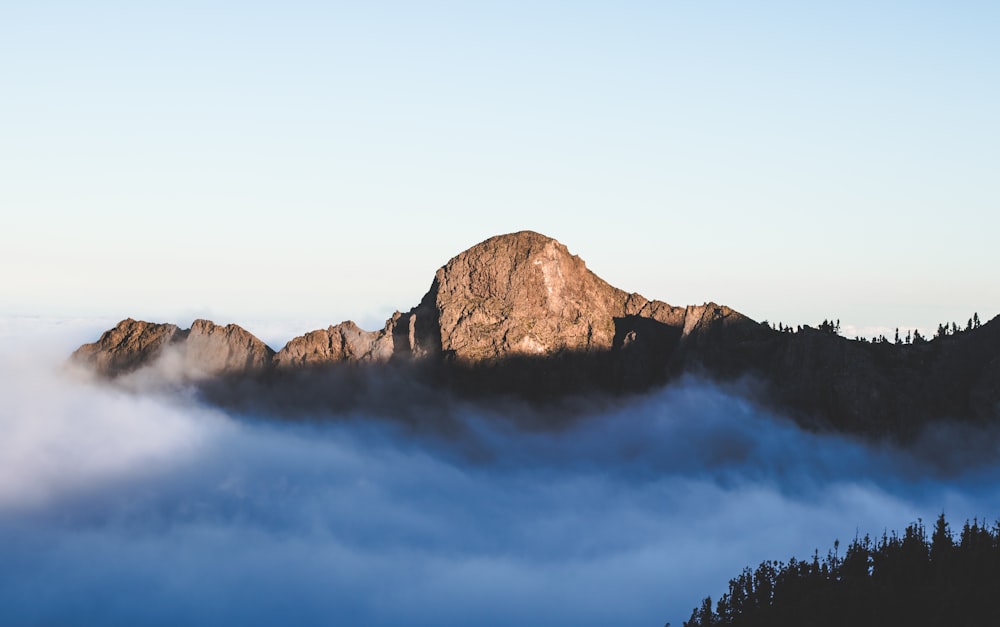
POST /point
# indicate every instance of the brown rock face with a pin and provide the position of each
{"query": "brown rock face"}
(211, 349)
(343, 342)
(206, 349)
(523, 294)
(129, 345)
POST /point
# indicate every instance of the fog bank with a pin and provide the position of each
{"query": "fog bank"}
(121, 508)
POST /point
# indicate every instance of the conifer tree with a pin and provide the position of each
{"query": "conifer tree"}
(906, 579)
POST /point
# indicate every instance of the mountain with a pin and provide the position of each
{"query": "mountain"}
(519, 315)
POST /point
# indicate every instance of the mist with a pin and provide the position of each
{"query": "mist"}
(119, 507)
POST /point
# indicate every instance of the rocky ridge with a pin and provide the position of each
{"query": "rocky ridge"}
(206, 349)
(516, 295)
(519, 314)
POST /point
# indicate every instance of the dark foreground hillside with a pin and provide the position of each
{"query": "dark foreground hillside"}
(907, 580)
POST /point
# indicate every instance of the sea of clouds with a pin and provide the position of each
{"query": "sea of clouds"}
(119, 507)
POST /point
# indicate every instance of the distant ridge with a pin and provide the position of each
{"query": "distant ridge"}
(519, 315)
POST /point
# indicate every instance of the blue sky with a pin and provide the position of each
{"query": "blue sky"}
(252, 161)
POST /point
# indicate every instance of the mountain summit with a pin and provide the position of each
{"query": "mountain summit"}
(519, 314)
(522, 294)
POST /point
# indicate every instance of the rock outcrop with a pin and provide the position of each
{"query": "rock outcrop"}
(343, 342)
(126, 347)
(204, 350)
(518, 314)
(210, 350)
(523, 295)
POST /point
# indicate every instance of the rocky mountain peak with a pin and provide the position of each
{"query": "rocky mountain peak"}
(127, 346)
(206, 349)
(342, 342)
(212, 349)
(522, 294)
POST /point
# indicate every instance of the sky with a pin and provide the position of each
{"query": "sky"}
(124, 508)
(310, 162)
(290, 165)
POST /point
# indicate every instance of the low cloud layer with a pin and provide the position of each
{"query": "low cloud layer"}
(118, 508)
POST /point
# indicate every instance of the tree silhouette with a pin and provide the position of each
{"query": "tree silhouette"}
(899, 580)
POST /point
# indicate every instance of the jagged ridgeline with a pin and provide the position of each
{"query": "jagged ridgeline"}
(906, 579)
(518, 315)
